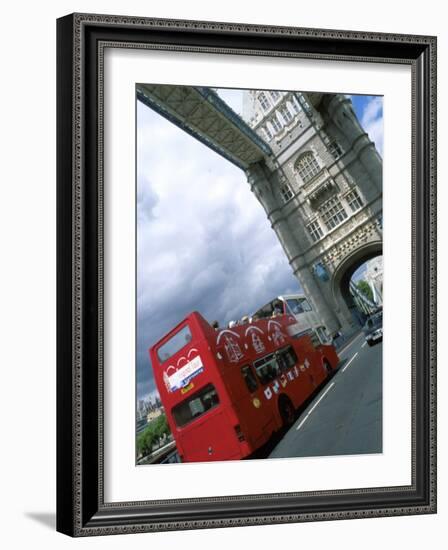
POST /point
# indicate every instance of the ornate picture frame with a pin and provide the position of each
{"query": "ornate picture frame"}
(81, 506)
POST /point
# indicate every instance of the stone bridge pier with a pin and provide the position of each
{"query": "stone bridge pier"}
(312, 167)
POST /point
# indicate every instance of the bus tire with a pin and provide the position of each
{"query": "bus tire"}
(286, 410)
(328, 368)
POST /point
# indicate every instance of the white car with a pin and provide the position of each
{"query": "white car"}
(373, 329)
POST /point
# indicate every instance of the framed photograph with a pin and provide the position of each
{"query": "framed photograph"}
(246, 274)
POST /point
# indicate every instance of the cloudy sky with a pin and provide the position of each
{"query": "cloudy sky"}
(203, 240)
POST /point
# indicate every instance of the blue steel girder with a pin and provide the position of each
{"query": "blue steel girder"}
(203, 114)
(354, 290)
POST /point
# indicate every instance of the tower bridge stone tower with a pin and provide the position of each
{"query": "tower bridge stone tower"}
(321, 189)
(311, 166)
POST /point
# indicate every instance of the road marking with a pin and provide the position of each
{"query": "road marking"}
(363, 345)
(315, 405)
(345, 348)
(349, 363)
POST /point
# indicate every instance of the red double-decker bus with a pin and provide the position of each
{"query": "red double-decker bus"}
(226, 391)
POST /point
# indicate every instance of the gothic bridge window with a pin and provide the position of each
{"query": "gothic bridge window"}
(307, 166)
(315, 230)
(333, 147)
(354, 200)
(295, 103)
(332, 213)
(286, 192)
(286, 114)
(276, 124)
(304, 103)
(264, 101)
(335, 150)
(267, 132)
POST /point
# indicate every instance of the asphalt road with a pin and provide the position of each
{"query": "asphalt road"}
(345, 417)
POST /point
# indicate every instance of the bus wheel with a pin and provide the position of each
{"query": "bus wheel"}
(286, 409)
(329, 370)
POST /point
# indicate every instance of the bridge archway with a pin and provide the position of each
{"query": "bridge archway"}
(342, 276)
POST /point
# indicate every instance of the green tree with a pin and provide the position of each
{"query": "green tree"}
(146, 440)
(161, 426)
(151, 435)
(364, 287)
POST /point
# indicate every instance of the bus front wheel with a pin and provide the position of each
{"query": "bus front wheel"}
(286, 409)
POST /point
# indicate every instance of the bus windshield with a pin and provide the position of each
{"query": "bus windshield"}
(174, 344)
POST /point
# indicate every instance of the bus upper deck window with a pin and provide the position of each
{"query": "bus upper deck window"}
(265, 311)
(174, 344)
(277, 308)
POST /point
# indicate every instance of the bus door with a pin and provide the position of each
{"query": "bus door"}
(258, 421)
(317, 357)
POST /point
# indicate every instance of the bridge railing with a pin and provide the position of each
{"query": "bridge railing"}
(366, 305)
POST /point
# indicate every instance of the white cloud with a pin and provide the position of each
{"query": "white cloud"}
(372, 110)
(372, 121)
(203, 240)
(233, 98)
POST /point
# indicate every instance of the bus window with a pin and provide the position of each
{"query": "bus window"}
(195, 406)
(249, 378)
(264, 312)
(305, 304)
(174, 344)
(298, 305)
(277, 307)
(294, 306)
(314, 339)
(322, 335)
(286, 358)
(267, 368)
